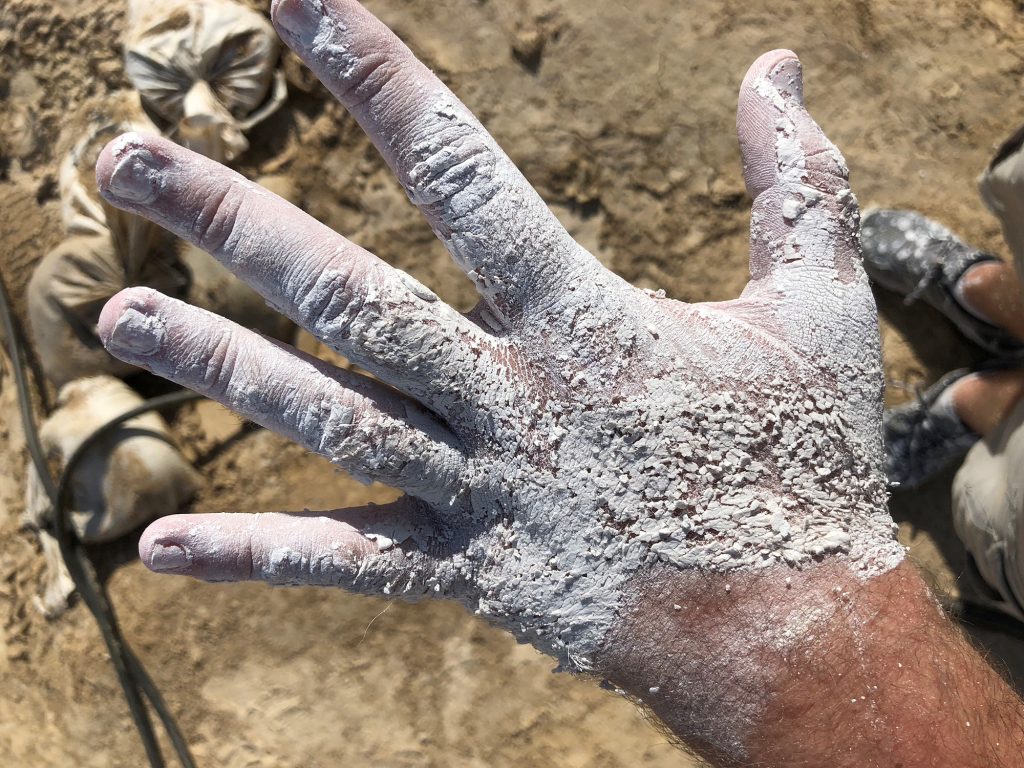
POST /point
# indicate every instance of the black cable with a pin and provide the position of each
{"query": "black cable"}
(14, 351)
(130, 672)
(67, 540)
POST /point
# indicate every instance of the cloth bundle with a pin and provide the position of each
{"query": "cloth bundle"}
(127, 477)
(206, 68)
(107, 250)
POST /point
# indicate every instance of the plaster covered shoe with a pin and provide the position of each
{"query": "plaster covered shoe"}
(924, 436)
(918, 258)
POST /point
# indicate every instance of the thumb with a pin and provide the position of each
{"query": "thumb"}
(803, 210)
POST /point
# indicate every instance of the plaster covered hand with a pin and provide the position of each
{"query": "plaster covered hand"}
(570, 435)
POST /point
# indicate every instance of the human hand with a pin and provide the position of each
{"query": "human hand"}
(569, 434)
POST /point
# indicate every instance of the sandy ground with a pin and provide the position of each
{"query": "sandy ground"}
(622, 115)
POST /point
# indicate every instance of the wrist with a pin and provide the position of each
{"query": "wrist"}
(722, 659)
(705, 651)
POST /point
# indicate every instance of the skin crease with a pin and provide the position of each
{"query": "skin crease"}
(571, 440)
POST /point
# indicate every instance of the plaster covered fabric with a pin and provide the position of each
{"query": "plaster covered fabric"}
(206, 67)
(106, 251)
(66, 294)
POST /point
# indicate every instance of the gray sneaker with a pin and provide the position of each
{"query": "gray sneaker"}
(918, 258)
(924, 436)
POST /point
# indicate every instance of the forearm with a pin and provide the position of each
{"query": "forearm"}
(814, 667)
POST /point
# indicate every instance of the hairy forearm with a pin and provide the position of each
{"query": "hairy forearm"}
(813, 667)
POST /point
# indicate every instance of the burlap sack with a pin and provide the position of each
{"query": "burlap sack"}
(133, 475)
(66, 294)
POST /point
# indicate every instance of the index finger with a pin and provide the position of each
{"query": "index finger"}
(492, 221)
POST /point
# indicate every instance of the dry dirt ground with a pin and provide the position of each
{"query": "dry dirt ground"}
(622, 115)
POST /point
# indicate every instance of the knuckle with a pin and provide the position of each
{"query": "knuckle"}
(221, 364)
(826, 170)
(285, 565)
(334, 305)
(366, 78)
(455, 170)
(218, 219)
(338, 427)
(805, 155)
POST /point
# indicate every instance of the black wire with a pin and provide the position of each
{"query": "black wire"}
(14, 351)
(131, 674)
(67, 540)
(95, 598)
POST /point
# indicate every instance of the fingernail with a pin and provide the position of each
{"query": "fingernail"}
(169, 556)
(137, 176)
(136, 334)
(299, 19)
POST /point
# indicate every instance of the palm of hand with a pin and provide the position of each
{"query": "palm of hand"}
(569, 432)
